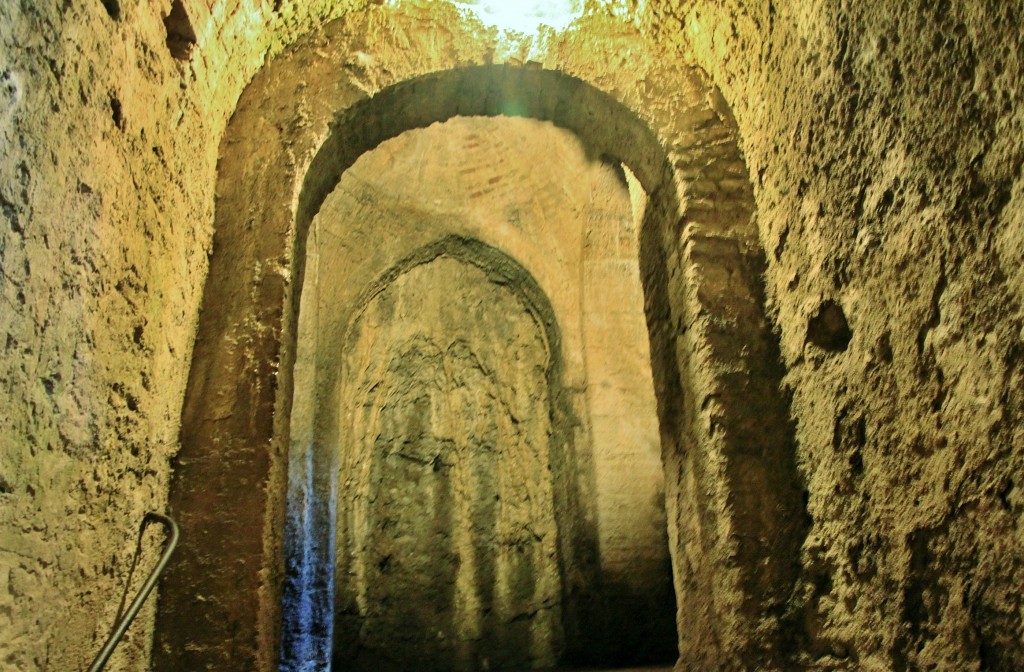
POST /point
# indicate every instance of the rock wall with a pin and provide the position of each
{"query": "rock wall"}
(885, 141)
(106, 206)
(111, 115)
(447, 542)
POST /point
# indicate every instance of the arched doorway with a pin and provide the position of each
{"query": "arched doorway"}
(447, 536)
(735, 509)
(568, 220)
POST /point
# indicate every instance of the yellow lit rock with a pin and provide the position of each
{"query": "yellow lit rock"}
(820, 204)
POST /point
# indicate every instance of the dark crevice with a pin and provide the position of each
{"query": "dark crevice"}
(113, 8)
(181, 37)
(935, 316)
(116, 114)
(828, 328)
(10, 213)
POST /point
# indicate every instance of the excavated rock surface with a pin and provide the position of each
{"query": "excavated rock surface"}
(450, 542)
(110, 123)
(885, 141)
(884, 144)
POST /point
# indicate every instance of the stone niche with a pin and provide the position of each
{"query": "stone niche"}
(475, 477)
(446, 540)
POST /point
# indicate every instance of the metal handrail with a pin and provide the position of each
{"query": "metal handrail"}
(119, 629)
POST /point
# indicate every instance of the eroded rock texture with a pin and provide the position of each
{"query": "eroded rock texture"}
(875, 149)
(447, 543)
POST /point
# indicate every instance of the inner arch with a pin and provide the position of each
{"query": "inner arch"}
(447, 543)
(606, 126)
(568, 227)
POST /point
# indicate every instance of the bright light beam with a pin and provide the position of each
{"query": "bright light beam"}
(524, 16)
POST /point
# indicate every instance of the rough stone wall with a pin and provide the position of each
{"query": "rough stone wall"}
(110, 123)
(104, 189)
(111, 114)
(885, 141)
(447, 542)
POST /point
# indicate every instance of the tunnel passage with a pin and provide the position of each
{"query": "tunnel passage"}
(570, 222)
(736, 518)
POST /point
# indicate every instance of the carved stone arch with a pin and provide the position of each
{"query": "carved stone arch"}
(470, 460)
(736, 516)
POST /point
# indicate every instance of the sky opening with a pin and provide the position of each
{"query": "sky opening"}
(524, 16)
